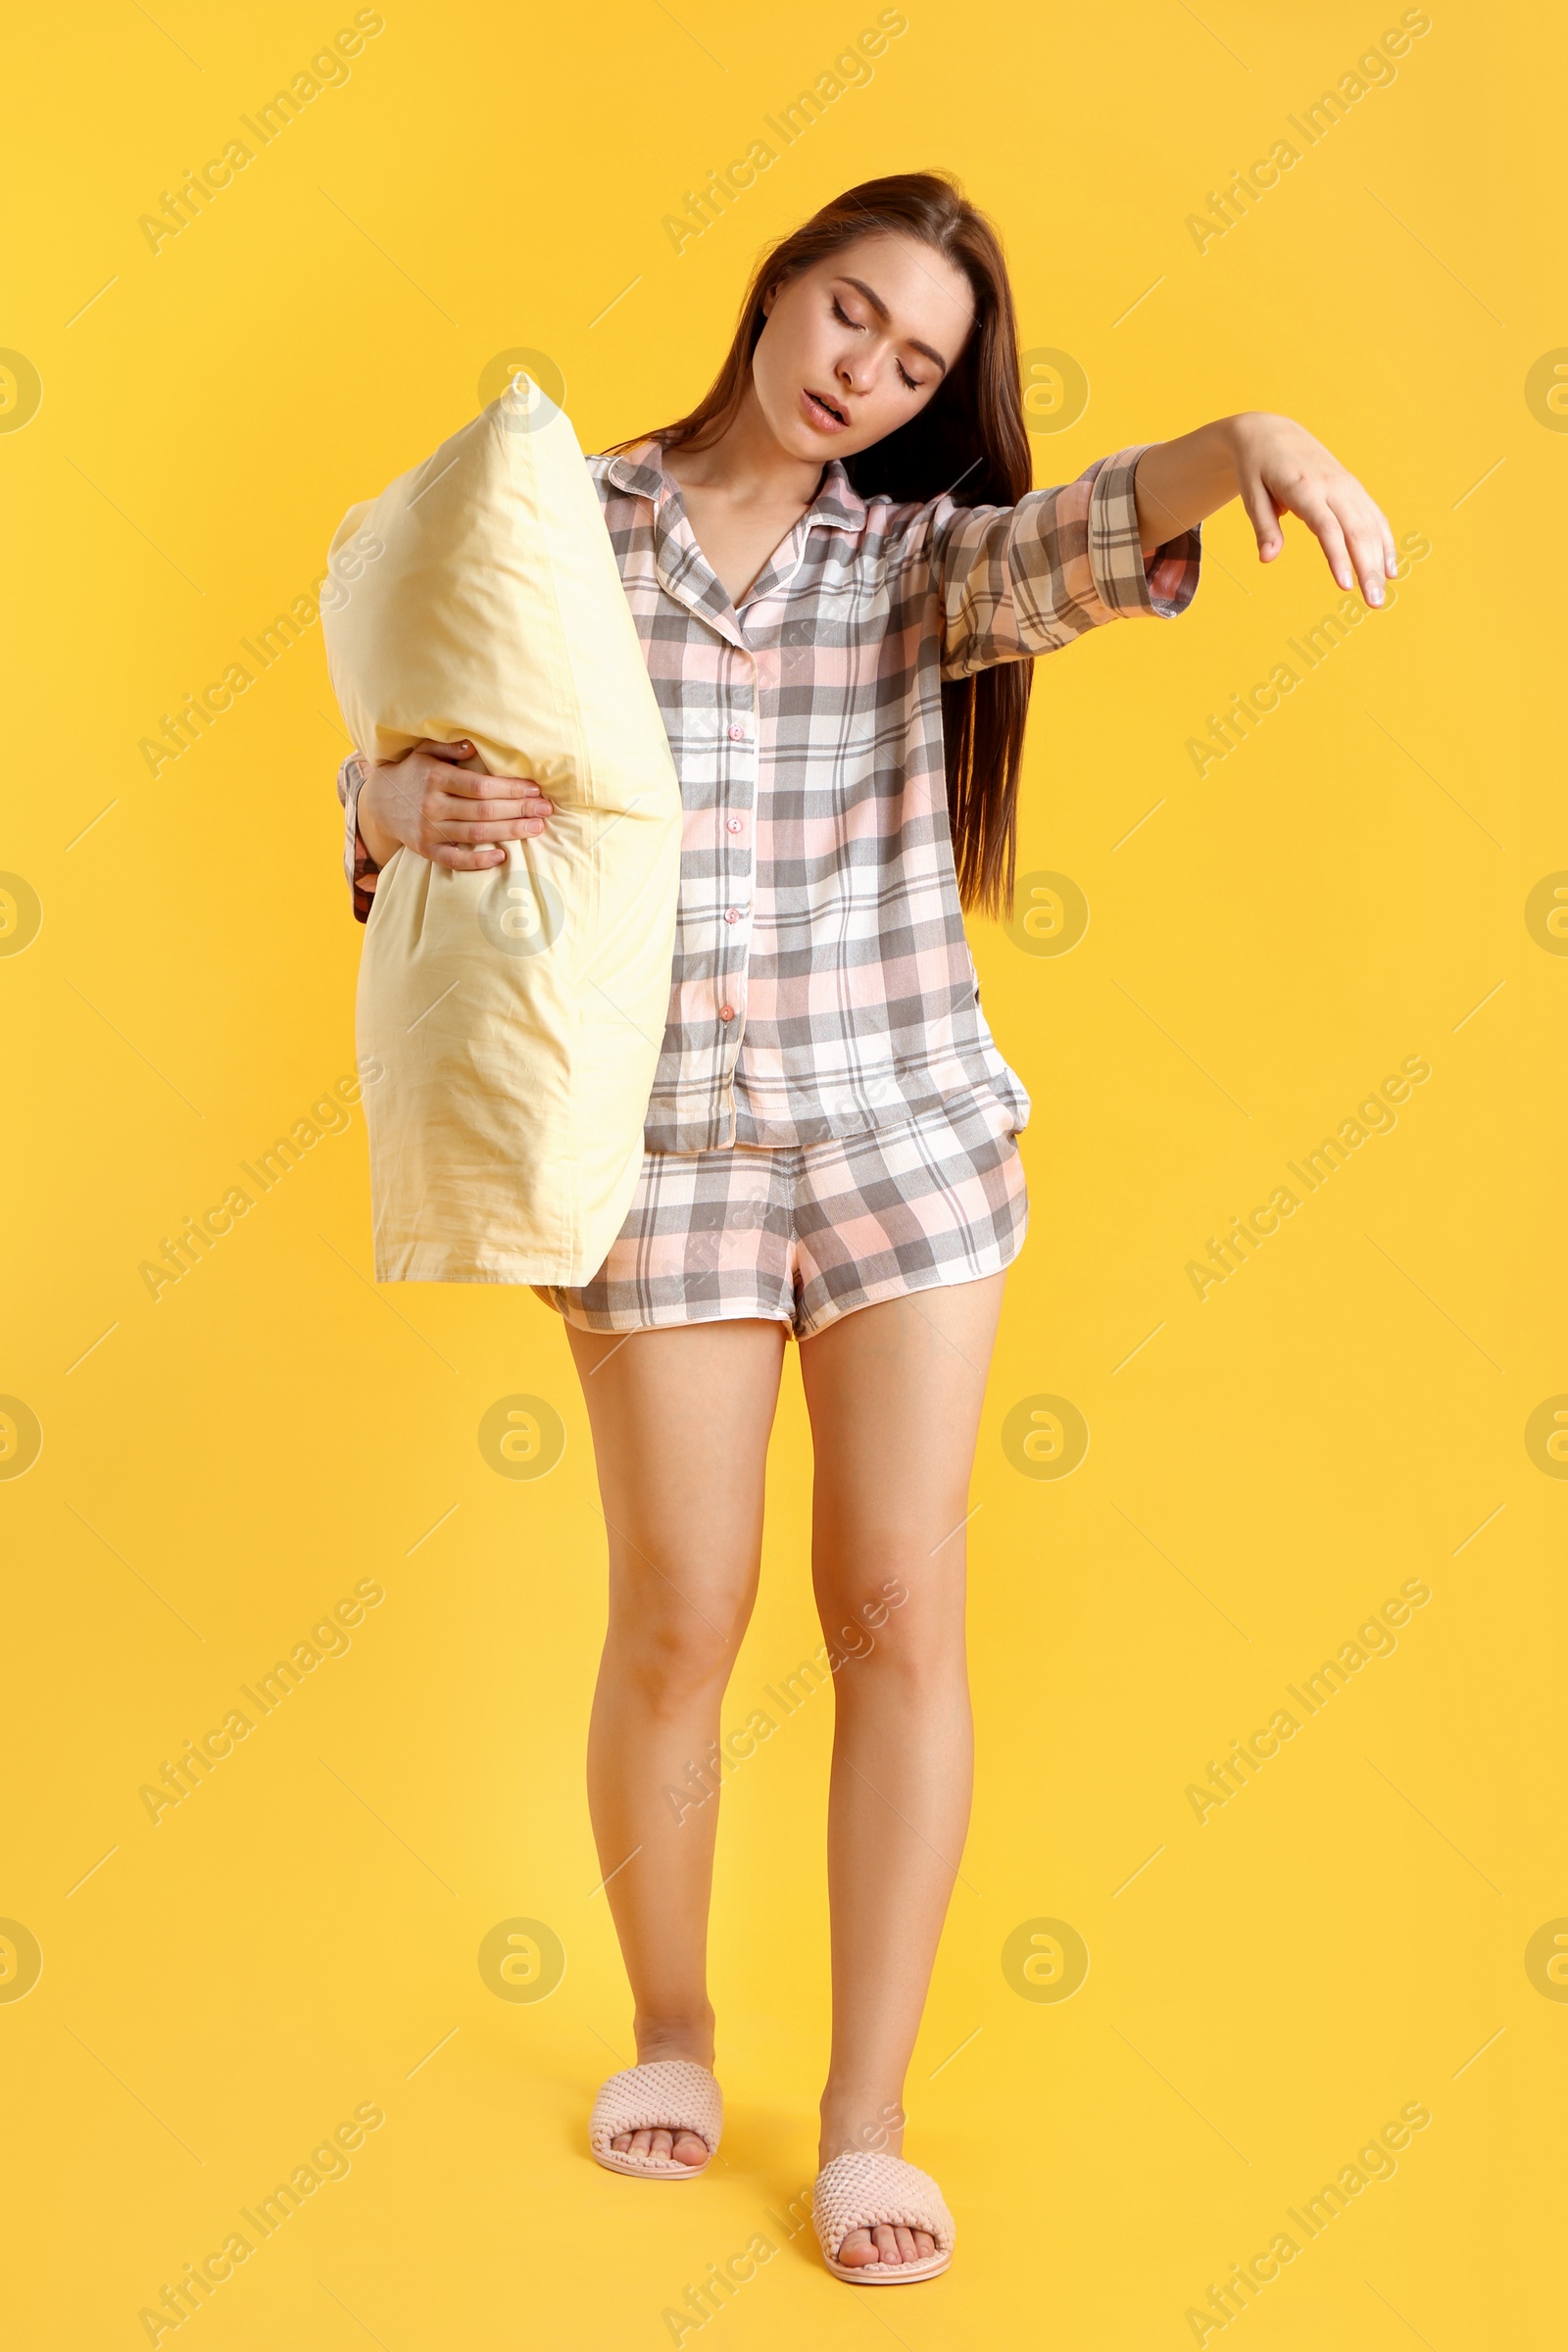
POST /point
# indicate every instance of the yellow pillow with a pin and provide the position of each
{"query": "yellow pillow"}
(509, 1020)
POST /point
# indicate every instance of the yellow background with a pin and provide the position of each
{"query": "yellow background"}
(221, 1466)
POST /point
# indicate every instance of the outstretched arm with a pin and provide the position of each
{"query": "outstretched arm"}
(1275, 467)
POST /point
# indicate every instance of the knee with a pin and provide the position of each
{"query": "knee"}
(905, 1629)
(916, 1663)
(674, 1652)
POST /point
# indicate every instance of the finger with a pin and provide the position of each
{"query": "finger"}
(511, 828)
(1357, 520)
(446, 809)
(445, 751)
(906, 2242)
(1263, 516)
(1321, 519)
(1390, 560)
(1361, 517)
(474, 785)
(467, 861)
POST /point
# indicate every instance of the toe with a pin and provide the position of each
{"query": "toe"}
(888, 2242)
(670, 2142)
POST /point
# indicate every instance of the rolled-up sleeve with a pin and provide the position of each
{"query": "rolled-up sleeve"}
(358, 866)
(1016, 582)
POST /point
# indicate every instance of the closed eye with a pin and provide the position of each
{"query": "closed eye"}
(843, 320)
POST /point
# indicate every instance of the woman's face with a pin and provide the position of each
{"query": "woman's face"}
(858, 344)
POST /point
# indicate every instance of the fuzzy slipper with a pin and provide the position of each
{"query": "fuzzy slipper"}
(858, 2191)
(672, 2094)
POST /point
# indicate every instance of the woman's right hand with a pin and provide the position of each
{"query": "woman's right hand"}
(452, 815)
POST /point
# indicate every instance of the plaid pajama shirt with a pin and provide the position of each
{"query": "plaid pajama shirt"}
(823, 994)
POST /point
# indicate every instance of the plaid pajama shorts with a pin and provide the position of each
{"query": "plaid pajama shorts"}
(803, 1234)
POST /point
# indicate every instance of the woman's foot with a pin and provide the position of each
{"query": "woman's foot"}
(888, 2242)
(685, 2147)
(885, 2244)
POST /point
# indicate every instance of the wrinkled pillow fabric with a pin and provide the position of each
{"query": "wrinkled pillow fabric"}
(509, 1020)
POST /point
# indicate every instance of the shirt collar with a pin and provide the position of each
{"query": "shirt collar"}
(837, 505)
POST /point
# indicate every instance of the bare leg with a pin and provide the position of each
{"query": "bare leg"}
(895, 1394)
(680, 1421)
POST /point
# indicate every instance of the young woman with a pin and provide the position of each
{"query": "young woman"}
(841, 577)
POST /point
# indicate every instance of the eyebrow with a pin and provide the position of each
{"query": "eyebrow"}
(885, 314)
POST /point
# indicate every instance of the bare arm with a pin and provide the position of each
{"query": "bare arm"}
(1276, 468)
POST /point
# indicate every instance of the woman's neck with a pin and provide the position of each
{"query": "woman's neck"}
(743, 496)
(745, 465)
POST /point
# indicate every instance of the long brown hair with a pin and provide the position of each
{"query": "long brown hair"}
(970, 439)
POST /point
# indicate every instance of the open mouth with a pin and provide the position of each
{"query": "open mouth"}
(825, 412)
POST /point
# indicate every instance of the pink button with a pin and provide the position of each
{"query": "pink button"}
(734, 825)
(732, 914)
(737, 734)
(726, 1013)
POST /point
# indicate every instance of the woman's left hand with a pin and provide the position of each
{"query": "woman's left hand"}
(1280, 469)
